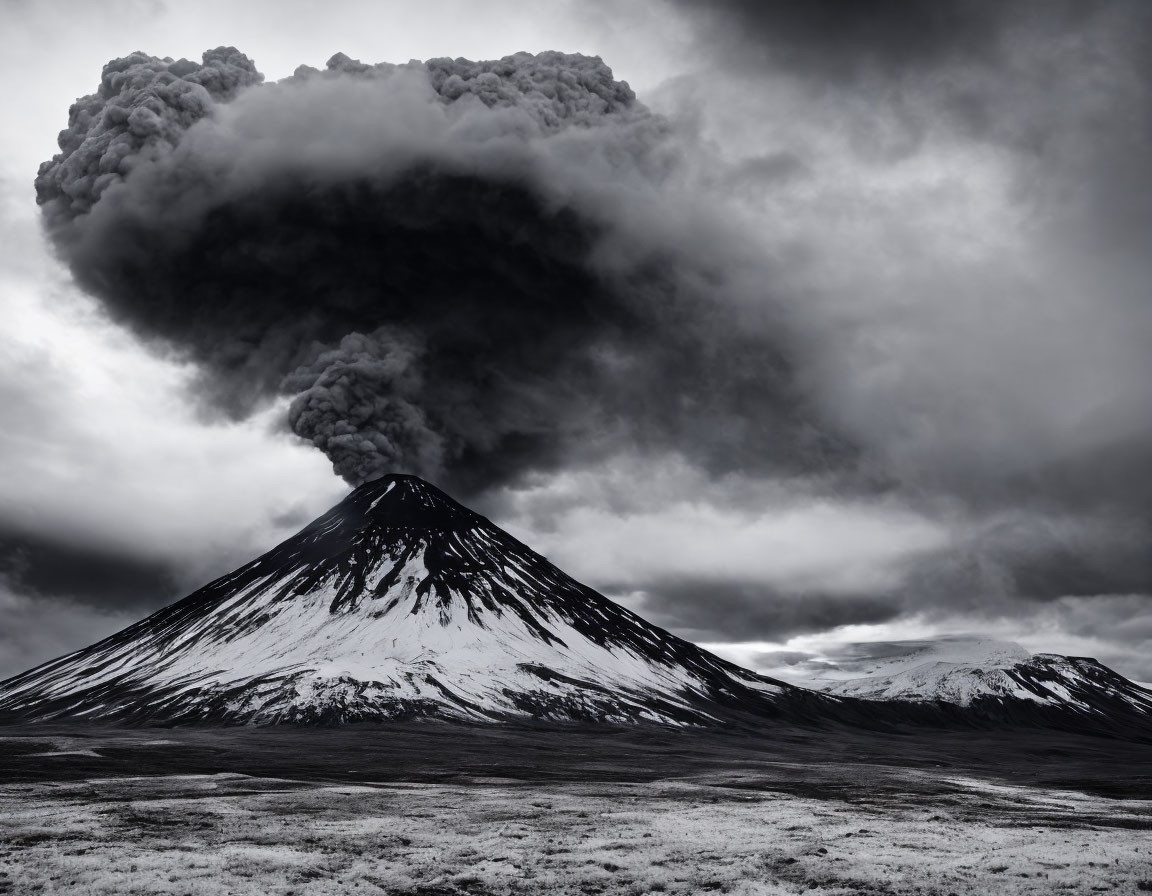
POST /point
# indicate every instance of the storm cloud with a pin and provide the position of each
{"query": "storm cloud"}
(958, 194)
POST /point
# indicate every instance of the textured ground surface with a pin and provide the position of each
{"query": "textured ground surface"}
(437, 810)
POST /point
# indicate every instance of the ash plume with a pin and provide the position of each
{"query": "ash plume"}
(465, 270)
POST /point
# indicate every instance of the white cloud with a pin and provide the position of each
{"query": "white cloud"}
(847, 547)
(637, 523)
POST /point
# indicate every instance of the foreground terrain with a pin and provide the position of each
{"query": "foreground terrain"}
(435, 809)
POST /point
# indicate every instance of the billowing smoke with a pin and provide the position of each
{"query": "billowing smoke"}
(356, 404)
(467, 270)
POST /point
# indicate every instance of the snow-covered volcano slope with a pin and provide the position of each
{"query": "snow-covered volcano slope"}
(1001, 680)
(398, 602)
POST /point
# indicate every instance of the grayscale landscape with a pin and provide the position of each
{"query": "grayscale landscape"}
(404, 699)
(576, 447)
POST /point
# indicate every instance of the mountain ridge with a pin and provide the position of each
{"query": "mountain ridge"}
(1003, 683)
(962, 683)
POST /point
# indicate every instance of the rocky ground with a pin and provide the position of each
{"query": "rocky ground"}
(432, 810)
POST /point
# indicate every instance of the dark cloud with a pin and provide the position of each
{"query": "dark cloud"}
(36, 629)
(849, 38)
(56, 570)
(1014, 562)
(725, 611)
(1117, 629)
(1010, 571)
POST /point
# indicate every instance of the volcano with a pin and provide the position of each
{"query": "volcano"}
(400, 603)
(397, 603)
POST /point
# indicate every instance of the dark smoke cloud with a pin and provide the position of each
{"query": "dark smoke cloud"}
(143, 107)
(462, 270)
(358, 404)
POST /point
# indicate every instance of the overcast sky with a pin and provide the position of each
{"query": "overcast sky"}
(847, 333)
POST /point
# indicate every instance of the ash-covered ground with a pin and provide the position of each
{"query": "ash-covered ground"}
(438, 810)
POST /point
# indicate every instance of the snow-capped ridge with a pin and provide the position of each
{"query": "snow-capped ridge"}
(998, 677)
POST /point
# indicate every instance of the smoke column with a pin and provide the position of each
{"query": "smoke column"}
(465, 270)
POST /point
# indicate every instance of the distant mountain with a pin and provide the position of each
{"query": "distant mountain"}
(398, 602)
(886, 659)
(1003, 682)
